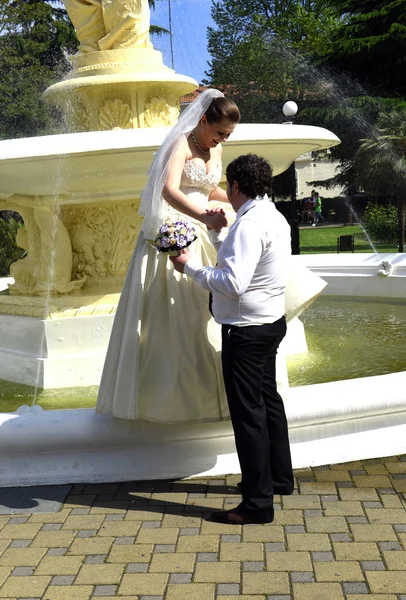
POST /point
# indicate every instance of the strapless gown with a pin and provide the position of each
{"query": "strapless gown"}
(163, 361)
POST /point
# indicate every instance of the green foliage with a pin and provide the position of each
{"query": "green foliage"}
(258, 50)
(381, 222)
(35, 37)
(369, 44)
(9, 251)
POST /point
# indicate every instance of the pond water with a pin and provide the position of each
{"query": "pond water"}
(350, 338)
(346, 338)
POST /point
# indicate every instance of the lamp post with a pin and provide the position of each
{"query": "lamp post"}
(289, 110)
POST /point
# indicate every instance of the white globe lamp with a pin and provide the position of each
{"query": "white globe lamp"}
(290, 109)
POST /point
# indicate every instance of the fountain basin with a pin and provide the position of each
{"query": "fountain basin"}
(329, 422)
(101, 166)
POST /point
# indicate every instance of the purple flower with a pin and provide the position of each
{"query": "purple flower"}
(165, 241)
(164, 229)
(181, 241)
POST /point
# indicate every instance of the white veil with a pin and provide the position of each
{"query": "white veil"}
(152, 206)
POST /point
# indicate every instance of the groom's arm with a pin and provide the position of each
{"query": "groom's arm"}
(237, 262)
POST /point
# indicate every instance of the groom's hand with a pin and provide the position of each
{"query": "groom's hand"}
(180, 260)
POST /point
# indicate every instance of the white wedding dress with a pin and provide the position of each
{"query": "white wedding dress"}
(164, 357)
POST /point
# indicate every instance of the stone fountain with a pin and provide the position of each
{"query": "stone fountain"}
(78, 194)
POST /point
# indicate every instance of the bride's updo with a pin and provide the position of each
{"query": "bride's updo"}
(222, 108)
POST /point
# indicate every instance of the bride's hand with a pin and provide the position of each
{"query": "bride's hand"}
(215, 219)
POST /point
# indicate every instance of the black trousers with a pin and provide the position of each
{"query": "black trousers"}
(257, 411)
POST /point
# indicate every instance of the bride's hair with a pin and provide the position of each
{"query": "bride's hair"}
(222, 109)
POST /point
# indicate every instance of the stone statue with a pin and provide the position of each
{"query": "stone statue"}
(110, 24)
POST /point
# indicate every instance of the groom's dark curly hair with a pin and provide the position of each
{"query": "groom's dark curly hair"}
(252, 173)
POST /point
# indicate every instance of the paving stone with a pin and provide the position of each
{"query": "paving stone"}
(399, 528)
(22, 571)
(149, 584)
(308, 541)
(75, 592)
(322, 556)
(253, 566)
(26, 531)
(86, 533)
(263, 533)
(97, 559)
(326, 524)
(265, 583)
(357, 520)
(389, 546)
(318, 488)
(230, 538)
(295, 529)
(241, 552)
(21, 557)
(298, 577)
(108, 574)
(355, 588)
(24, 587)
(59, 565)
(301, 502)
(17, 520)
(389, 515)
(51, 527)
(373, 533)
(274, 547)
(80, 511)
(123, 529)
(358, 494)
(356, 551)
(180, 578)
(91, 546)
(206, 557)
(325, 499)
(317, 591)
(228, 589)
(182, 521)
(189, 531)
(372, 565)
(34, 499)
(227, 572)
(312, 513)
(288, 561)
(201, 543)
(105, 590)
(124, 541)
(168, 535)
(340, 537)
(57, 551)
(343, 508)
(119, 518)
(63, 580)
(191, 591)
(282, 517)
(137, 568)
(372, 505)
(173, 563)
(396, 561)
(52, 539)
(338, 571)
(164, 548)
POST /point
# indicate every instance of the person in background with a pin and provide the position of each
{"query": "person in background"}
(318, 210)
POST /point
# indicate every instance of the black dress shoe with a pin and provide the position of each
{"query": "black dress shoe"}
(279, 490)
(240, 516)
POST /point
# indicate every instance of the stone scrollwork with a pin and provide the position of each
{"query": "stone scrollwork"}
(115, 114)
(103, 239)
(47, 269)
(158, 113)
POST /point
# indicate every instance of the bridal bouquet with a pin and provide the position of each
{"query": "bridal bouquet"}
(174, 236)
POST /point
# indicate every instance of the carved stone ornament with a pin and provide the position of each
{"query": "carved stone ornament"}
(47, 268)
(115, 114)
(103, 239)
(159, 114)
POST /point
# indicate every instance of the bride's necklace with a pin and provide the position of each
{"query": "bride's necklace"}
(198, 145)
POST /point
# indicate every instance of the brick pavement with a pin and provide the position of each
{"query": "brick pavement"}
(341, 536)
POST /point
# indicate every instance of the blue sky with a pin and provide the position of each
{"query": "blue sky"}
(190, 19)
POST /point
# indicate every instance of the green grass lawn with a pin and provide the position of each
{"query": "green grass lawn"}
(323, 240)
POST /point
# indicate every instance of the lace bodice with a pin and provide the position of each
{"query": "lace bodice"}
(195, 178)
(197, 184)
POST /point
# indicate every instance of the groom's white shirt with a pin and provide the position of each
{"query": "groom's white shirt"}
(249, 280)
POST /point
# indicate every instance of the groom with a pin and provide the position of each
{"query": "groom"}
(248, 285)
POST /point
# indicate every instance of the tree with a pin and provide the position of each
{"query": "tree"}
(369, 44)
(380, 164)
(259, 48)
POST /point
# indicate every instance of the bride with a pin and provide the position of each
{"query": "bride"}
(163, 362)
